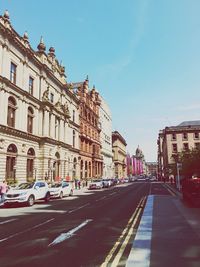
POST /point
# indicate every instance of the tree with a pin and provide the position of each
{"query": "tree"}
(190, 160)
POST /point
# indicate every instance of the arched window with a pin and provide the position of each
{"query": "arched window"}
(86, 169)
(11, 112)
(81, 171)
(11, 163)
(30, 176)
(90, 173)
(74, 169)
(56, 168)
(30, 120)
(74, 136)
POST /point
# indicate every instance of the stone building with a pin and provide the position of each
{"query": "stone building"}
(152, 168)
(119, 150)
(106, 139)
(39, 122)
(91, 161)
(136, 164)
(173, 140)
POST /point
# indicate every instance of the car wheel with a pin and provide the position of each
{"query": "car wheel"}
(61, 195)
(31, 200)
(71, 193)
(47, 197)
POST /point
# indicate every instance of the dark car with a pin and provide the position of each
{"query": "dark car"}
(191, 189)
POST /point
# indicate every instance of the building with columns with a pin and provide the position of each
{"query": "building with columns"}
(136, 164)
(106, 139)
(39, 122)
(91, 160)
(119, 151)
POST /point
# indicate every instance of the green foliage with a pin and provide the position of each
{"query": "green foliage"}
(190, 162)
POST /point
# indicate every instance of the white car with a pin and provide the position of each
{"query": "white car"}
(96, 184)
(28, 193)
(59, 190)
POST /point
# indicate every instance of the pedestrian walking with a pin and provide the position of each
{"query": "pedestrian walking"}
(3, 190)
(79, 184)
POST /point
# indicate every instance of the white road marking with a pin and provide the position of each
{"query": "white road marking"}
(27, 230)
(101, 198)
(113, 193)
(64, 236)
(141, 250)
(11, 220)
(79, 208)
(130, 224)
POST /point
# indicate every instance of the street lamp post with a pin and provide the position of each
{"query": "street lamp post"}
(179, 166)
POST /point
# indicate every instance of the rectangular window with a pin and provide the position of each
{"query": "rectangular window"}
(13, 73)
(73, 115)
(30, 85)
(197, 145)
(185, 136)
(174, 148)
(51, 97)
(185, 146)
(196, 135)
(173, 136)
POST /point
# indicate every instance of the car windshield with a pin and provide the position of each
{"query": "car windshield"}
(96, 181)
(25, 186)
(56, 185)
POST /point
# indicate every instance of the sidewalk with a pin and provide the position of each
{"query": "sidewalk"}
(80, 191)
(168, 235)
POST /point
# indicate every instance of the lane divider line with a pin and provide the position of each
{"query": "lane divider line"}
(79, 208)
(11, 220)
(124, 244)
(141, 250)
(118, 242)
(27, 230)
(64, 236)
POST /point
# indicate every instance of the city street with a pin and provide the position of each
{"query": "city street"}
(81, 230)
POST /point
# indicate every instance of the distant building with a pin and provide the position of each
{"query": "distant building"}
(136, 164)
(152, 168)
(173, 140)
(106, 139)
(119, 151)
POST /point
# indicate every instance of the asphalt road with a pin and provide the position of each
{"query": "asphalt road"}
(77, 231)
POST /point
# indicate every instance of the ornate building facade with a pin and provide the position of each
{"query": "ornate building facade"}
(39, 122)
(91, 161)
(136, 163)
(106, 139)
(119, 151)
(173, 140)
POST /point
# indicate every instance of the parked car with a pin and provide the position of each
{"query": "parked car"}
(107, 183)
(96, 184)
(28, 193)
(61, 189)
(191, 189)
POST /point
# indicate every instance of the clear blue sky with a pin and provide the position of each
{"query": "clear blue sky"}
(142, 55)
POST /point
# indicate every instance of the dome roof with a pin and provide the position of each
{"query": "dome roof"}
(138, 152)
(6, 15)
(41, 47)
(52, 49)
(25, 36)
